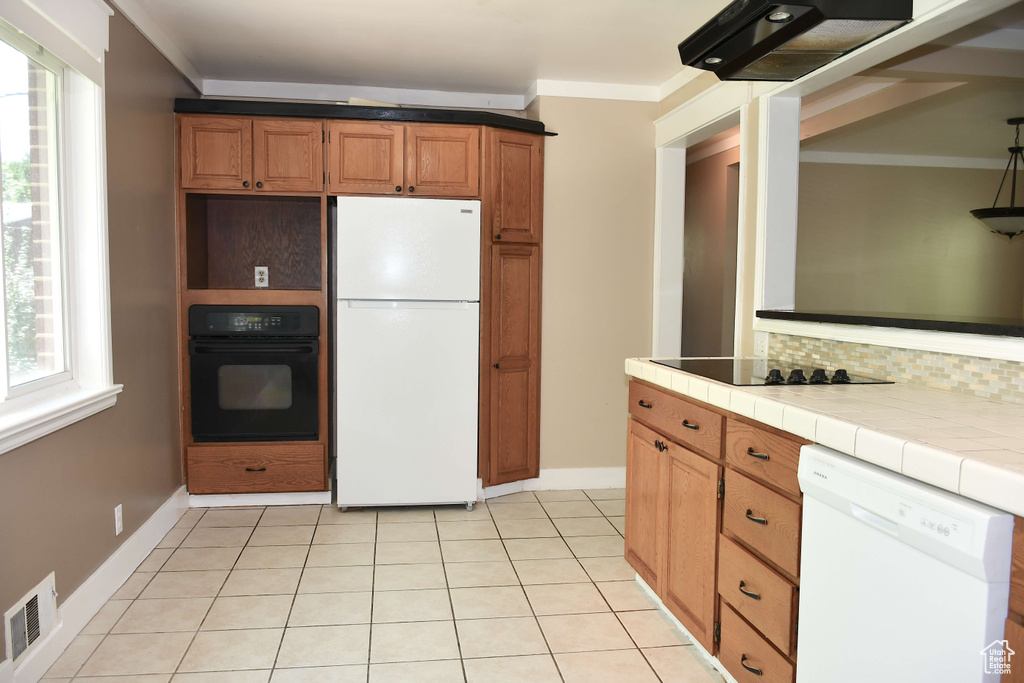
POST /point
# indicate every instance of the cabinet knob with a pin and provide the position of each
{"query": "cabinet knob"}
(398, 188)
(245, 183)
(749, 594)
(760, 456)
(498, 236)
(412, 189)
(497, 366)
(259, 184)
(756, 520)
(743, 662)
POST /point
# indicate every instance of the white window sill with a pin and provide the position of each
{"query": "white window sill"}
(28, 418)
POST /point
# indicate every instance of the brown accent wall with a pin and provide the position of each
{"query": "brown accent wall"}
(597, 273)
(709, 251)
(57, 494)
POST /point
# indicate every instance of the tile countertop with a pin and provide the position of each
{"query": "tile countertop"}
(971, 446)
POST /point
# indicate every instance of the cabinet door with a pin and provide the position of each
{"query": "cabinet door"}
(516, 184)
(288, 155)
(442, 161)
(515, 363)
(645, 498)
(365, 157)
(216, 152)
(688, 584)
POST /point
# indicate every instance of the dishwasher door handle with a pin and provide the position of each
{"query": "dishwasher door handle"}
(877, 521)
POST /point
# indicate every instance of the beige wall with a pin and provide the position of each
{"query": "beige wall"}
(597, 277)
(57, 494)
(709, 248)
(900, 239)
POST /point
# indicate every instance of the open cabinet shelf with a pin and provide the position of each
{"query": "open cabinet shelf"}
(227, 236)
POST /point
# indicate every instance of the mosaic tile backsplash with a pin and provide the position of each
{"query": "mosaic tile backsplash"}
(1001, 380)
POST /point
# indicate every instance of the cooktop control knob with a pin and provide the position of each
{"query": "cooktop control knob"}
(774, 377)
(818, 377)
(796, 377)
(841, 377)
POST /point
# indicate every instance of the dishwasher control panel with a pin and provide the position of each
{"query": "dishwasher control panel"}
(930, 522)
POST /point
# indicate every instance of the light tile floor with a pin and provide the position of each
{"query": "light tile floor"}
(527, 587)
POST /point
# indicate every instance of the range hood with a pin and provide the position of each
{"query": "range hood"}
(754, 40)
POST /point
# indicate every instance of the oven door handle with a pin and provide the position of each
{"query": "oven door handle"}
(215, 348)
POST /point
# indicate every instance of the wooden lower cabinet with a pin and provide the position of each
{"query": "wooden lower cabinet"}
(514, 354)
(691, 541)
(718, 539)
(645, 497)
(256, 468)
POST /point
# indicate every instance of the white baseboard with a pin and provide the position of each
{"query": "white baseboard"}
(82, 605)
(561, 479)
(228, 500)
(711, 659)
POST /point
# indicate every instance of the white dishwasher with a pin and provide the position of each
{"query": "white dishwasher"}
(900, 582)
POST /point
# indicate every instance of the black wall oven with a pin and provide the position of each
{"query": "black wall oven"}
(254, 373)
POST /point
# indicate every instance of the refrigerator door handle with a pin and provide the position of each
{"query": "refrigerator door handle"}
(368, 303)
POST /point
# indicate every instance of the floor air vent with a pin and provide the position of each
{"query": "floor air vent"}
(31, 619)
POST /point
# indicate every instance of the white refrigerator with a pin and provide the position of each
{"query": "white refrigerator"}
(407, 350)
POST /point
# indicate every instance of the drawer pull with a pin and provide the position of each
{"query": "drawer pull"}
(760, 456)
(754, 596)
(756, 520)
(690, 425)
(644, 404)
(743, 663)
(254, 469)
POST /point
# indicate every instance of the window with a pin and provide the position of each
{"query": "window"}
(31, 213)
(56, 367)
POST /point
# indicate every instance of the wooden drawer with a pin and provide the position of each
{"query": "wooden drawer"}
(764, 520)
(770, 601)
(1017, 569)
(765, 456)
(742, 649)
(696, 428)
(256, 468)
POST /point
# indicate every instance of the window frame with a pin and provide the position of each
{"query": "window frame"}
(39, 407)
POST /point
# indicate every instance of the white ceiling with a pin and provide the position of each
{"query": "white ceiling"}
(471, 46)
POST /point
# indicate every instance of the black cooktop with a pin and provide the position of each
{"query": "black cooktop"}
(752, 372)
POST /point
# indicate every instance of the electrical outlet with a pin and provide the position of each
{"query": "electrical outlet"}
(761, 344)
(262, 276)
(118, 521)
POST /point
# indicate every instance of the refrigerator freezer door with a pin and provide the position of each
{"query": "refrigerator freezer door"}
(407, 402)
(412, 249)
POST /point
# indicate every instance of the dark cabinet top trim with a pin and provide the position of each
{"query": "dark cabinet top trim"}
(344, 111)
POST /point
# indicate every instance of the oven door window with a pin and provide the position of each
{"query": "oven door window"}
(254, 387)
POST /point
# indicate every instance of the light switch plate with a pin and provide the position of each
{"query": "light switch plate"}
(262, 276)
(118, 521)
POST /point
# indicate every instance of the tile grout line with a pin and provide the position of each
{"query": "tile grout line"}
(448, 590)
(522, 587)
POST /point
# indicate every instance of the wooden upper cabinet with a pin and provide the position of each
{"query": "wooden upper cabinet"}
(516, 185)
(288, 155)
(514, 451)
(442, 161)
(365, 157)
(645, 497)
(688, 584)
(216, 153)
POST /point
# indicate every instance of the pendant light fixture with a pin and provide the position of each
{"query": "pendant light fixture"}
(1006, 220)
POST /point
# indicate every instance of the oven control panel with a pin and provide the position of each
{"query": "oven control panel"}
(270, 321)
